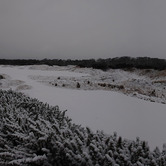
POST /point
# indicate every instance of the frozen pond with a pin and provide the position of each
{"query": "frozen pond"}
(100, 110)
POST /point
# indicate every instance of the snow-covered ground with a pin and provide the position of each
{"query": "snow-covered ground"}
(107, 109)
(144, 84)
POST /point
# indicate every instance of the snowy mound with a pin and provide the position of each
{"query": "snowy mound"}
(34, 133)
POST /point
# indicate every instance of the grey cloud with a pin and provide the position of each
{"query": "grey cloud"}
(82, 29)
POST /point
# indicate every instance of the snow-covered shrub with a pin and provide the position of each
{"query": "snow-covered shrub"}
(1, 77)
(34, 133)
(78, 85)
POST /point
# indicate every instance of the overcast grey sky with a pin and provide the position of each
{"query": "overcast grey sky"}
(79, 29)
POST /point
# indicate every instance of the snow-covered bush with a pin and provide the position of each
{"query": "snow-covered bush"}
(34, 133)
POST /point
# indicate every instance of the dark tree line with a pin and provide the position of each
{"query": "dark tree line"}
(104, 64)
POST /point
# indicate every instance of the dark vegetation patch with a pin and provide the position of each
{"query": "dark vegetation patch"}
(126, 63)
(2, 77)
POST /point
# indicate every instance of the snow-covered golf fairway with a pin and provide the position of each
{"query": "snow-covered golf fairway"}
(98, 109)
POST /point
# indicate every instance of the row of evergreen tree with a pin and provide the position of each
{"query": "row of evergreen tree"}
(33, 133)
(104, 64)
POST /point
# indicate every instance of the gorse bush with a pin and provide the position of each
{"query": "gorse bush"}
(33, 133)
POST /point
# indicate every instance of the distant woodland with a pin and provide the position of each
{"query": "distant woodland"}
(104, 64)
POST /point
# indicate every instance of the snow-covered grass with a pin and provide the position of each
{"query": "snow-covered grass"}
(99, 109)
(33, 133)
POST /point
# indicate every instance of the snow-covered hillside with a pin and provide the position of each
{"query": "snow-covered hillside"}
(100, 101)
(144, 84)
